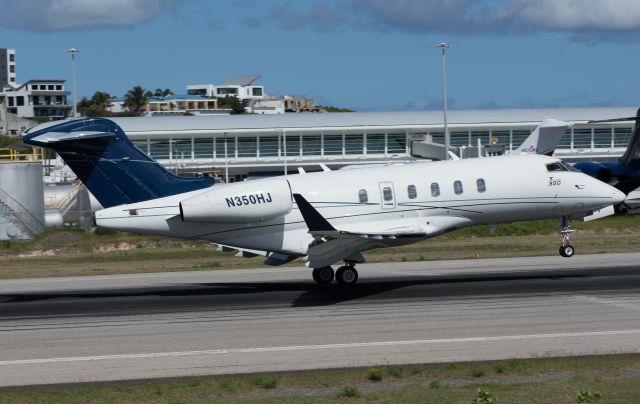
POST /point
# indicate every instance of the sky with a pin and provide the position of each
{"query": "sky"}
(366, 55)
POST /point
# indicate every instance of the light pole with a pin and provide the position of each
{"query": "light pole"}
(284, 147)
(226, 160)
(73, 52)
(443, 47)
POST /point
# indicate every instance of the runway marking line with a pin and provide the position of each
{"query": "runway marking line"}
(317, 347)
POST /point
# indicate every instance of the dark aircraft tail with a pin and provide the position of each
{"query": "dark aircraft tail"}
(631, 157)
(108, 163)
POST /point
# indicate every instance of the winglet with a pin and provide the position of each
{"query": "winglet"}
(314, 220)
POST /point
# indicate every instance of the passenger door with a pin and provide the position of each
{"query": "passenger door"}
(387, 196)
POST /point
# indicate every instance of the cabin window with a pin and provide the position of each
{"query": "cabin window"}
(435, 189)
(387, 195)
(412, 192)
(362, 196)
(457, 187)
(481, 185)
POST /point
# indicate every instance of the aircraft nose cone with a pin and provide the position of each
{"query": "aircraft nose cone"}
(618, 196)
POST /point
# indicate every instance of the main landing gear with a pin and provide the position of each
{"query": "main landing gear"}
(345, 275)
(566, 249)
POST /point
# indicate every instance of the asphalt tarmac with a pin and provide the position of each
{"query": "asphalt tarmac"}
(80, 329)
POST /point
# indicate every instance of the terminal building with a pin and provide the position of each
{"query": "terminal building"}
(260, 145)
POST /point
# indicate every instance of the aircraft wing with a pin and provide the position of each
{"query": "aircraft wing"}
(332, 244)
(319, 227)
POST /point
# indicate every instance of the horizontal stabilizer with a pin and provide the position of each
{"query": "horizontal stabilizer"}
(114, 170)
(55, 137)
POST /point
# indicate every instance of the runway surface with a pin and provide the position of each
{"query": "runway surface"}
(60, 330)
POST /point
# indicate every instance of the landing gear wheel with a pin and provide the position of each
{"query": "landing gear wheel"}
(323, 275)
(347, 275)
(567, 250)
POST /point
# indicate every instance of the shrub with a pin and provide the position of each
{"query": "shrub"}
(586, 396)
(435, 384)
(396, 372)
(376, 374)
(349, 391)
(477, 372)
(266, 382)
(483, 396)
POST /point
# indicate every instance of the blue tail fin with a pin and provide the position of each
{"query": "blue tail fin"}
(631, 157)
(114, 169)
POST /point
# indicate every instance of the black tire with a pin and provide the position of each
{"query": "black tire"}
(561, 251)
(347, 275)
(567, 251)
(323, 275)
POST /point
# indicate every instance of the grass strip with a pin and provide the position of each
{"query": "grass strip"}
(75, 252)
(609, 378)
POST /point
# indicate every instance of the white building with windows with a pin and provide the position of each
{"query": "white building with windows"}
(7, 68)
(256, 145)
(42, 99)
(239, 86)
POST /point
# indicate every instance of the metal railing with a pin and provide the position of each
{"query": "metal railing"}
(69, 200)
(15, 156)
(19, 215)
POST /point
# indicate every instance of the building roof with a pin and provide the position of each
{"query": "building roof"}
(363, 121)
(243, 80)
(416, 121)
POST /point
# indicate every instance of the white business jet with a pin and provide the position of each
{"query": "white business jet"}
(326, 217)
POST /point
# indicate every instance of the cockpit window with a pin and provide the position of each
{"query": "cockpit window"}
(560, 166)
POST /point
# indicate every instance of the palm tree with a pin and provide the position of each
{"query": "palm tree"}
(160, 93)
(136, 99)
(101, 100)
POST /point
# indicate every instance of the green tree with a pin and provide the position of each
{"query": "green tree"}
(98, 105)
(237, 107)
(160, 93)
(136, 98)
(101, 100)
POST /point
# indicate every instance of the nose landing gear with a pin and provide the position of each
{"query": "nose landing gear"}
(566, 249)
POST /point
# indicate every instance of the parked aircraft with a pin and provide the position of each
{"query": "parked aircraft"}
(328, 216)
(544, 138)
(623, 174)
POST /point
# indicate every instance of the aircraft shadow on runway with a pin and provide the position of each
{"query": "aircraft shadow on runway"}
(256, 295)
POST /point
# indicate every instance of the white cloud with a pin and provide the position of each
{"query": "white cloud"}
(54, 15)
(582, 19)
(581, 14)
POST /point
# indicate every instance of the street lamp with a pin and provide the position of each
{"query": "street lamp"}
(443, 47)
(284, 147)
(226, 160)
(73, 52)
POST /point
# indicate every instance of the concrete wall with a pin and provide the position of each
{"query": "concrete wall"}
(11, 124)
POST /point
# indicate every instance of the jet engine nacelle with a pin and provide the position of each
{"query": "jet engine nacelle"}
(243, 202)
(596, 170)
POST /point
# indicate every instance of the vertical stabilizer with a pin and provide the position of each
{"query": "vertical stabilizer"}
(544, 139)
(108, 163)
(631, 157)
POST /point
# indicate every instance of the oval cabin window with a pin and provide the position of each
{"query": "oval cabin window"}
(362, 196)
(457, 187)
(412, 192)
